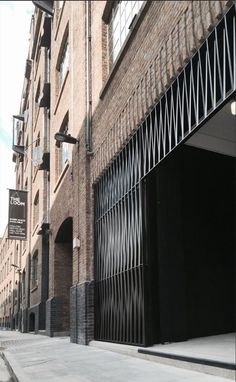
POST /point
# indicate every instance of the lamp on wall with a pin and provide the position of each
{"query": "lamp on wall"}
(19, 117)
(233, 107)
(45, 6)
(67, 138)
(18, 269)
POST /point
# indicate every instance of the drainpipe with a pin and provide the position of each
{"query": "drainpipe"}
(46, 132)
(88, 124)
(46, 176)
(31, 169)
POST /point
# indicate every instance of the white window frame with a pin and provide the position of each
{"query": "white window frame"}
(63, 63)
(60, 4)
(122, 17)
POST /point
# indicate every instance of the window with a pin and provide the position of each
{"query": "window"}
(37, 99)
(34, 270)
(26, 115)
(37, 95)
(63, 149)
(38, 53)
(26, 151)
(37, 153)
(26, 185)
(63, 61)
(23, 283)
(122, 17)
(36, 209)
(60, 4)
(27, 143)
(18, 182)
(58, 10)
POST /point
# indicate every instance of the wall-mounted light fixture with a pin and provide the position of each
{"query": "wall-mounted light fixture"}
(67, 138)
(19, 117)
(76, 243)
(45, 6)
(233, 107)
(19, 149)
(18, 269)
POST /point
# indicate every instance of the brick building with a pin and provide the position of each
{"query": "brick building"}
(8, 281)
(127, 95)
(140, 201)
(30, 154)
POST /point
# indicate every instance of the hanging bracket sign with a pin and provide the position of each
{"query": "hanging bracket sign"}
(17, 217)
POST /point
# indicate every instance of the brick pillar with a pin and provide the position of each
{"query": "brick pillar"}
(54, 321)
(82, 313)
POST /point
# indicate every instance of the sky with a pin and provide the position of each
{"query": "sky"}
(15, 18)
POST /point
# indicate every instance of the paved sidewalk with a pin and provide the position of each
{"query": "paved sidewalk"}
(40, 358)
(4, 374)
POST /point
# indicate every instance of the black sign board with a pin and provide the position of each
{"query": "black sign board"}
(17, 217)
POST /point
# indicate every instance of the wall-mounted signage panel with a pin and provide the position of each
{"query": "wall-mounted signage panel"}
(17, 217)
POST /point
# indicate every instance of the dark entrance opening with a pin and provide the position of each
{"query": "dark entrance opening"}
(191, 246)
(63, 273)
(32, 322)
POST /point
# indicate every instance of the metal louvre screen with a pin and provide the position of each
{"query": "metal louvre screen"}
(119, 256)
(207, 81)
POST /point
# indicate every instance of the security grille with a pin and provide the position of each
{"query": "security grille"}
(207, 81)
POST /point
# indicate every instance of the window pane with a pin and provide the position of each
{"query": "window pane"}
(122, 17)
(128, 13)
(65, 152)
(64, 64)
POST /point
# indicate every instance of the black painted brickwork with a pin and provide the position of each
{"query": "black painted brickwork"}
(54, 309)
(82, 313)
(39, 312)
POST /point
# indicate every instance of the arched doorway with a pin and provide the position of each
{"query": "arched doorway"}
(63, 271)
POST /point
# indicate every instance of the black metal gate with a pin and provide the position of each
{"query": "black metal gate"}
(204, 85)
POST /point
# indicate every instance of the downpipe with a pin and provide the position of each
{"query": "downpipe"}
(88, 87)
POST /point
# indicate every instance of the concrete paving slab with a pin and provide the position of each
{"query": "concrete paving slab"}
(217, 348)
(56, 359)
(4, 373)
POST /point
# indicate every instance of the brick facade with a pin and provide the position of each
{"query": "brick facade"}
(163, 38)
(156, 61)
(30, 295)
